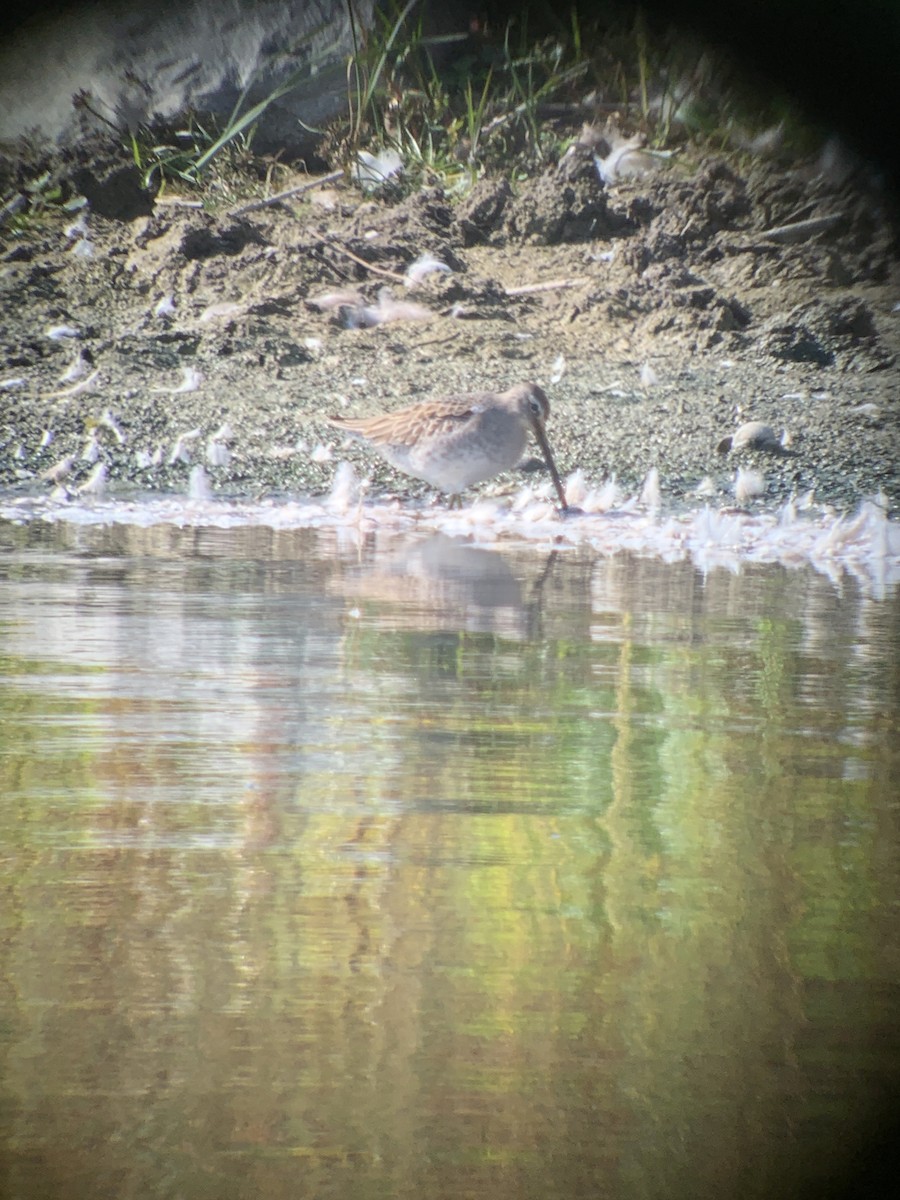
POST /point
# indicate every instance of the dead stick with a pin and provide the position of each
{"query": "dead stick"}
(799, 231)
(551, 285)
(369, 266)
(524, 290)
(286, 195)
(437, 341)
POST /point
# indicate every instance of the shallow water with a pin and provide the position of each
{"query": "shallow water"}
(347, 865)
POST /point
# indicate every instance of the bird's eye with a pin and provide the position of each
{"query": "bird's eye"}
(536, 407)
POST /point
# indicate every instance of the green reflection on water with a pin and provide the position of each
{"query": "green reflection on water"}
(319, 883)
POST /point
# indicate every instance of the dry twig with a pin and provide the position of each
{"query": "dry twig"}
(287, 194)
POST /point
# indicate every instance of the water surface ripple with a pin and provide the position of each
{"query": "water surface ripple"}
(348, 864)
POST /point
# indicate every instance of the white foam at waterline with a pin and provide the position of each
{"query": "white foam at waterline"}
(865, 545)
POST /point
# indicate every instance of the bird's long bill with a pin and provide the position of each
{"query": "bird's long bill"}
(554, 474)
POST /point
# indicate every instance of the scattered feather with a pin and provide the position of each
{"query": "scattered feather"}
(836, 162)
(390, 309)
(576, 488)
(217, 454)
(364, 316)
(591, 499)
(198, 484)
(747, 485)
(90, 452)
(164, 307)
(95, 484)
(322, 454)
(559, 368)
(766, 143)
(149, 458)
(76, 370)
(343, 298)
(871, 411)
(426, 264)
(705, 488)
(83, 248)
(180, 451)
(604, 498)
(372, 170)
(84, 385)
(191, 379)
(220, 311)
(540, 510)
(59, 470)
(108, 421)
(60, 333)
(345, 489)
(649, 378)
(787, 514)
(386, 311)
(15, 381)
(46, 439)
(628, 159)
(651, 492)
(590, 136)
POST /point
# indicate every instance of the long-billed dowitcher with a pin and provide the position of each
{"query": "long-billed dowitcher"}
(456, 441)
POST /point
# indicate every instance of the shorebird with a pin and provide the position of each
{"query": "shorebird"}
(453, 442)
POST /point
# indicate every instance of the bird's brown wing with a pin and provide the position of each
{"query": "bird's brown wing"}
(417, 422)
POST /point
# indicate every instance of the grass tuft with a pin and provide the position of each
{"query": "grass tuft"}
(508, 100)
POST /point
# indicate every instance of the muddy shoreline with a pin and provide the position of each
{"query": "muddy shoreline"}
(663, 313)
